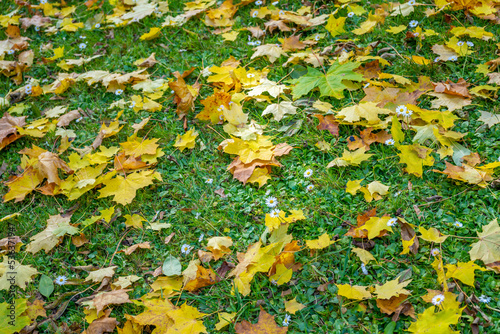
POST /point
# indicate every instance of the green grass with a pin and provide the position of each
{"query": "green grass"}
(190, 205)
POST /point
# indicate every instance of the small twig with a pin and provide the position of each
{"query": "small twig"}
(392, 47)
(443, 199)
(117, 246)
(216, 131)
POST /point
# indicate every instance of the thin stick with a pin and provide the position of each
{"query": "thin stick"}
(117, 246)
(216, 131)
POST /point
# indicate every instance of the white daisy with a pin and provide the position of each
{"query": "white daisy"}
(258, 43)
(97, 25)
(132, 104)
(209, 181)
(438, 299)
(37, 28)
(470, 44)
(287, 319)
(200, 239)
(61, 280)
(254, 14)
(310, 187)
(271, 201)
(390, 142)
(458, 224)
(435, 251)
(401, 109)
(308, 173)
(416, 34)
(411, 2)
(281, 12)
(250, 75)
(258, 2)
(437, 59)
(82, 46)
(460, 43)
(351, 14)
(484, 299)
(27, 89)
(11, 52)
(407, 113)
(275, 213)
(43, 2)
(119, 92)
(392, 222)
(317, 37)
(413, 23)
(453, 58)
(185, 249)
(275, 3)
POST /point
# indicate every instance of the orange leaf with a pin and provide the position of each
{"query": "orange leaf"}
(265, 325)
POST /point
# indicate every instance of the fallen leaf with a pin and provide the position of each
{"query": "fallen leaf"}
(265, 325)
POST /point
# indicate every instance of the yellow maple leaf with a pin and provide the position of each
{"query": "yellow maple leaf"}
(187, 140)
(366, 110)
(486, 249)
(219, 246)
(396, 29)
(22, 185)
(137, 146)
(58, 53)
(431, 235)
(415, 157)
(224, 319)
(364, 255)
(124, 189)
(335, 26)
(57, 227)
(431, 321)
(134, 221)
(153, 33)
(353, 292)
(322, 242)
(283, 274)
(271, 51)
(352, 187)
(230, 36)
(350, 158)
(437, 264)
(368, 25)
(407, 244)
(392, 288)
(375, 225)
(14, 273)
(292, 306)
(260, 176)
(463, 271)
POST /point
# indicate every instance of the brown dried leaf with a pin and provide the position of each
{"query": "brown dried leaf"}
(328, 123)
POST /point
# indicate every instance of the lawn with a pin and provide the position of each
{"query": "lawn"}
(249, 167)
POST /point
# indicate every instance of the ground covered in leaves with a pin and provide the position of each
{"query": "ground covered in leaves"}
(249, 166)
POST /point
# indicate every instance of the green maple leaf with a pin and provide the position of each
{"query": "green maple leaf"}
(329, 84)
(18, 322)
